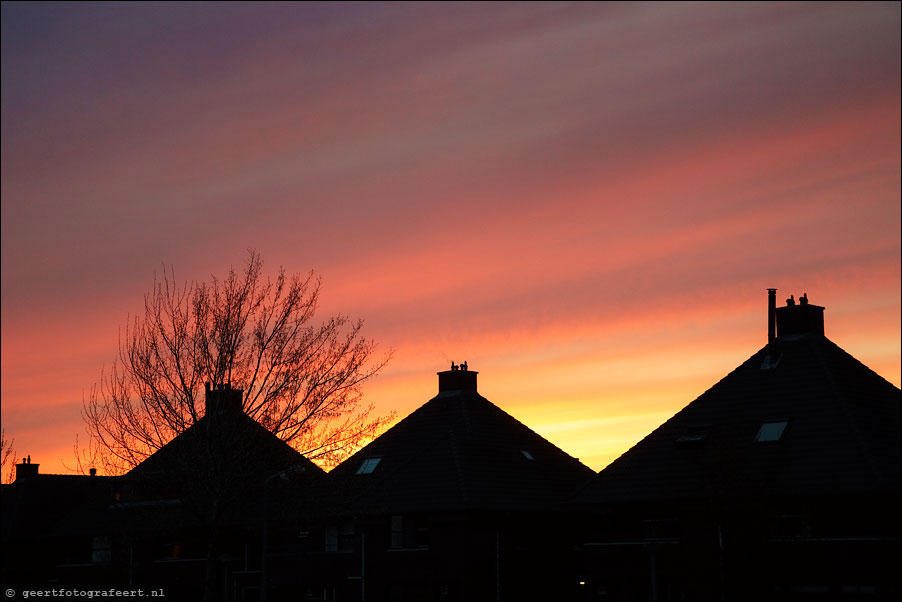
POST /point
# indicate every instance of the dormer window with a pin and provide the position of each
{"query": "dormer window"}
(369, 465)
(771, 431)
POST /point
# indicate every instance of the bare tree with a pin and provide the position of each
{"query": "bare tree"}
(7, 458)
(301, 380)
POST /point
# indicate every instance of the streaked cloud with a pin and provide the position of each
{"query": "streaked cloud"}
(585, 200)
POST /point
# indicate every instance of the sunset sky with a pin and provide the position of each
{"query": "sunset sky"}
(587, 202)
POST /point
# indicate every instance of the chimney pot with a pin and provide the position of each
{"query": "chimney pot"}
(457, 380)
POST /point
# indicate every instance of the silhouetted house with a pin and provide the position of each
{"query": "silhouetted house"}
(458, 501)
(198, 504)
(38, 511)
(189, 519)
(782, 481)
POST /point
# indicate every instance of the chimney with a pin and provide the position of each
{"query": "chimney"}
(222, 399)
(800, 320)
(771, 315)
(26, 470)
(458, 378)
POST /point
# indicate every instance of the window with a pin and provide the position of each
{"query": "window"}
(369, 465)
(771, 431)
(101, 549)
(332, 539)
(408, 533)
(526, 454)
(661, 529)
(788, 527)
(340, 538)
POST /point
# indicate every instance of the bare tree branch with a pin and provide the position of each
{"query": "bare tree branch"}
(7, 458)
(302, 381)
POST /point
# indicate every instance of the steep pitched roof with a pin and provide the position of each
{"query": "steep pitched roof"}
(222, 461)
(238, 440)
(456, 452)
(841, 433)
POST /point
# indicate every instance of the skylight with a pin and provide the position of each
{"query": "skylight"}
(695, 434)
(770, 361)
(368, 466)
(526, 454)
(771, 431)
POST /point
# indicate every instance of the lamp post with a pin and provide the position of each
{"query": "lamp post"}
(282, 474)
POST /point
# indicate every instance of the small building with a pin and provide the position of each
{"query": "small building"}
(38, 514)
(782, 481)
(458, 501)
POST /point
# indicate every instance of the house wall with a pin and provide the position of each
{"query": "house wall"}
(452, 556)
(813, 548)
